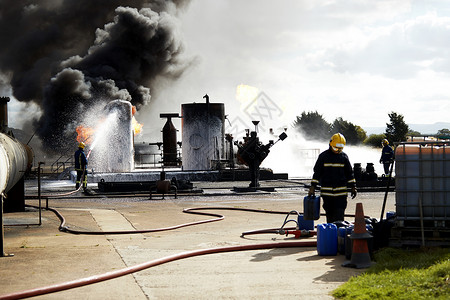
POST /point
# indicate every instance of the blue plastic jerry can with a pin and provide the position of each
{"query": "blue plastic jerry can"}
(311, 207)
(327, 239)
(305, 224)
(342, 233)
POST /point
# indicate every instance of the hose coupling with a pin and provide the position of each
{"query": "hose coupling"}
(282, 232)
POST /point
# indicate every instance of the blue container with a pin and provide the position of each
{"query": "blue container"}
(305, 224)
(390, 214)
(327, 239)
(311, 208)
(342, 233)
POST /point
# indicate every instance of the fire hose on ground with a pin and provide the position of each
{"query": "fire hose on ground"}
(136, 268)
(187, 254)
(125, 271)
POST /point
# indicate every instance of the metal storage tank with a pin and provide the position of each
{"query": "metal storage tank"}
(203, 134)
(112, 149)
(422, 183)
(169, 141)
(15, 160)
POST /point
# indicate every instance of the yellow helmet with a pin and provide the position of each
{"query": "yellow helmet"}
(385, 142)
(81, 145)
(337, 143)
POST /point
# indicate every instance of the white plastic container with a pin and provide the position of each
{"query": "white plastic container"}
(422, 181)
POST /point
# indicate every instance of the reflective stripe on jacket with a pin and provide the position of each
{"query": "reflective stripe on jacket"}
(387, 154)
(334, 173)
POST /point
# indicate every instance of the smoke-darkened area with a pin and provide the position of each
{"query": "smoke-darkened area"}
(67, 56)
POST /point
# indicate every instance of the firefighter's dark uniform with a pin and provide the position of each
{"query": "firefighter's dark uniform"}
(387, 155)
(334, 173)
(80, 167)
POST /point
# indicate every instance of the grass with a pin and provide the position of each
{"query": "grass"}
(402, 274)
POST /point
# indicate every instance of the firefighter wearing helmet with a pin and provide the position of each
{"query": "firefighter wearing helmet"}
(334, 173)
(80, 166)
(387, 156)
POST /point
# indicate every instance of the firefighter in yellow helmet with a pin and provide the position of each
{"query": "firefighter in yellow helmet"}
(387, 156)
(80, 166)
(334, 173)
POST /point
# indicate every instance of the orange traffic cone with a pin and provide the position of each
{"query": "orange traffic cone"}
(360, 252)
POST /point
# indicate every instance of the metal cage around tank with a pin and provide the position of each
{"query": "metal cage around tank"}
(422, 179)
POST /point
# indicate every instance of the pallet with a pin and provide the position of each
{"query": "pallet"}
(412, 236)
(427, 223)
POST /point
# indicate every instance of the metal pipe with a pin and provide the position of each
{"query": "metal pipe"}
(387, 190)
(4, 113)
(39, 192)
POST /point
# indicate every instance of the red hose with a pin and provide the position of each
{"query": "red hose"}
(64, 228)
(114, 274)
(195, 211)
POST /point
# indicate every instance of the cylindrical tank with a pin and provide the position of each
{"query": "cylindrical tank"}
(422, 181)
(357, 170)
(203, 134)
(169, 141)
(112, 149)
(15, 160)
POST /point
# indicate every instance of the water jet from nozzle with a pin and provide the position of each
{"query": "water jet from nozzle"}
(113, 140)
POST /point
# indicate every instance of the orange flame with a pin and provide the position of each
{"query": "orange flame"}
(137, 127)
(85, 134)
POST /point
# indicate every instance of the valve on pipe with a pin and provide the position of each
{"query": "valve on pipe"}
(253, 153)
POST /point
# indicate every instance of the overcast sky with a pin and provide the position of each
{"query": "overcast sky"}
(358, 60)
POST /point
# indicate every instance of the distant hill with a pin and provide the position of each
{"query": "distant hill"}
(422, 128)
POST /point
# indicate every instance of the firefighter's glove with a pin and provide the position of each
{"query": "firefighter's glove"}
(311, 191)
(353, 192)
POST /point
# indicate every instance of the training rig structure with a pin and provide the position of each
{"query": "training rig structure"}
(208, 153)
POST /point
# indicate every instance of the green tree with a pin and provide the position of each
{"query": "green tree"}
(313, 126)
(443, 133)
(362, 134)
(353, 134)
(374, 140)
(397, 129)
(413, 133)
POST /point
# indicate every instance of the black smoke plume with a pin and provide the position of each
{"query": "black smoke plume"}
(68, 55)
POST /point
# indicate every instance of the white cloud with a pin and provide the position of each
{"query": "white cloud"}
(358, 60)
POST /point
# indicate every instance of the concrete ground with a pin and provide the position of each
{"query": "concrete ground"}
(45, 256)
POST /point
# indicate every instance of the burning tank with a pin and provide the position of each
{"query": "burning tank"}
(112, 146)
(203, 148)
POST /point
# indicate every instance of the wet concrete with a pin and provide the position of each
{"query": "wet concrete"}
(44, 256)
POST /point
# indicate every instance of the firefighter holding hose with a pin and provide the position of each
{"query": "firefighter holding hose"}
(80, 166)
(334, 173)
